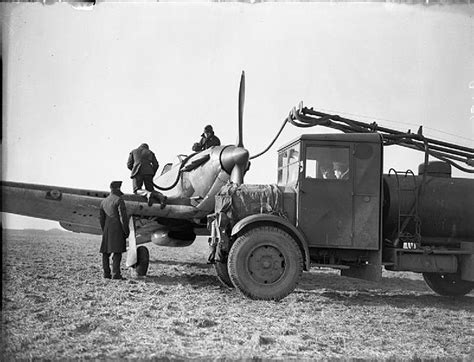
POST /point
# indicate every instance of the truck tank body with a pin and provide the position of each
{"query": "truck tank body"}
(445, 207)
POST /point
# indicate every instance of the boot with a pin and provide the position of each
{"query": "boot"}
(118, 277)
(150, 199)
(163, 202)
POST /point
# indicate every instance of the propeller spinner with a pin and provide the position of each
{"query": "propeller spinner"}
(235, 159)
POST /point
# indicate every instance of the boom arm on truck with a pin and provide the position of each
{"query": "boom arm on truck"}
(444, 151)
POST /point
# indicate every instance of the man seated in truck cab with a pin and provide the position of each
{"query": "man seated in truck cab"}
(327, 171)
(341, 170)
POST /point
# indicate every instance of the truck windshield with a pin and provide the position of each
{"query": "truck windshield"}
(288, 165)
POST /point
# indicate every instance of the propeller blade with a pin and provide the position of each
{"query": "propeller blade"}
(240, 140)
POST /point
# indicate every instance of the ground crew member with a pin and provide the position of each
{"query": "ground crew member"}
(208, 139)
(143, 164)
(115, 230)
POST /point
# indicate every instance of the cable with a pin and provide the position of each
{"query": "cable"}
(177, 176)
(307, 117)
(396, 122)
(271, 144)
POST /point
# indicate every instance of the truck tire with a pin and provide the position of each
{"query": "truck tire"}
(143, 260)
(449, 284)
(223, 274)
(265, 263)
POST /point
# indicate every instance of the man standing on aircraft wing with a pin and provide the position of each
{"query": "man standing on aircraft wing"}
(143, 164)
(115, 230)
(208, 139)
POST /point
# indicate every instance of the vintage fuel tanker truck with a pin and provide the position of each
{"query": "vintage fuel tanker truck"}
(333, 207)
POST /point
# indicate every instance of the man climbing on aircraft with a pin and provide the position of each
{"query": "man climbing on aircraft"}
(143, 164)
(208, 139)
(114, 223)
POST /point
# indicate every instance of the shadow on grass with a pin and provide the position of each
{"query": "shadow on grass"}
(398, 292)
(333, 281)
(403, 301)
(194, 280)
(182, 263)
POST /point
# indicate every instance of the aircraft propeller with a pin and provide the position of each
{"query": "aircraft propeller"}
(235, 159)
(240, 141)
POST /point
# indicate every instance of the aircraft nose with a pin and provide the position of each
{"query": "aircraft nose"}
(234, 161)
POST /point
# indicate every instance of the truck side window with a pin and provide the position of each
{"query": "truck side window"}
(329, 163)
(288, 165)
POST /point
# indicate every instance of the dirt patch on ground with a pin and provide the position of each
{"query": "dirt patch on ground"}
(56, 305)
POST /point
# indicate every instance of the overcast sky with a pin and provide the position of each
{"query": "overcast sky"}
(82, 88)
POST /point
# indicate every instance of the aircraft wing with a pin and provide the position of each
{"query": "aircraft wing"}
(78, 209)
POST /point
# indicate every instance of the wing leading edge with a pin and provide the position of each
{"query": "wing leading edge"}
(78, 209)
(68, 206)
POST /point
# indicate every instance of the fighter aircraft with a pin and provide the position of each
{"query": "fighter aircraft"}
(190, 185)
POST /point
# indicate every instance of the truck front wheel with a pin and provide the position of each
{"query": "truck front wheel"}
(449, 284)
(265, 263)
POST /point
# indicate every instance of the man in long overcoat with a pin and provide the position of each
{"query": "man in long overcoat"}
(115, 230)
(143, 164)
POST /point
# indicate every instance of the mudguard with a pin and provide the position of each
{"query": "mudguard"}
(273, 220)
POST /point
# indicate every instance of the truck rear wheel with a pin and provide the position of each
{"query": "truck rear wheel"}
(223, 274)
(449, 284)
(265, 263)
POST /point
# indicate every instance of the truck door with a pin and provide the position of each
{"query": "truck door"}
(325, 195)
(339, 201)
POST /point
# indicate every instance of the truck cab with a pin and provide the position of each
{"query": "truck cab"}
(337, 182)
(338, 185)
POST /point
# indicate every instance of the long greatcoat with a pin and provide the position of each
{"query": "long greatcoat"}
(114, 223)
(142, 161)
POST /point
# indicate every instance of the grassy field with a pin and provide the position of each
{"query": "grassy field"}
(56, 305)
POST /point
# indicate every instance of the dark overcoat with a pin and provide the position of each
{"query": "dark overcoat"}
(206, 143)
(142, 161)
(114, 224)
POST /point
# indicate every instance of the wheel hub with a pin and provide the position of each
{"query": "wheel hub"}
(266, 264)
